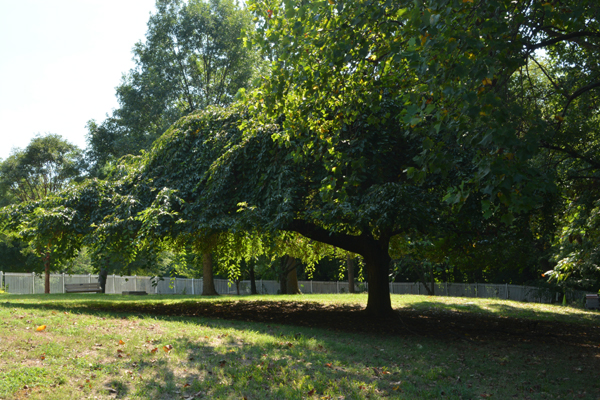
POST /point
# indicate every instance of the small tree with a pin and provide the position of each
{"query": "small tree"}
(46, 166)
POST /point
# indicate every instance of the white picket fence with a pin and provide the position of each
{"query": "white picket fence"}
(31, 283)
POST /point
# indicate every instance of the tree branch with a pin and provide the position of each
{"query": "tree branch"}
(351, 243)
(578, 93)
(561, 38)
(572, 153)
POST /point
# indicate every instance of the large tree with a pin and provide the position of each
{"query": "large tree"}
(193, 56)
(215, 176)
(449, 68)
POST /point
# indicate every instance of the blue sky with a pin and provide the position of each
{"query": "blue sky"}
(60, 61)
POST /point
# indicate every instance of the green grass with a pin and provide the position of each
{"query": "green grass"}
(79, 354)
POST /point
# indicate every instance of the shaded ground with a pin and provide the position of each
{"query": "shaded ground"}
(439, 325)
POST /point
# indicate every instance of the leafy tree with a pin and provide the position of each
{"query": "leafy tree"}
(193, 56)
(215, 177)
(443, 72)
(46, 166)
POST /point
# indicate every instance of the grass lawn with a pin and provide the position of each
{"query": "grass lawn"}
(184, 347)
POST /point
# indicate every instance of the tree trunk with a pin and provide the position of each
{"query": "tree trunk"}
(252, 279)
(377, 260)
(283, 275)
(374, 251)
(208, 282)
(288, 281)
(102, 276)
(432, 281)
(47, 272)
(350, 266)
(292, 280)
(430, 291)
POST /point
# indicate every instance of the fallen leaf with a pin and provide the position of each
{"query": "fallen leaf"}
(167, 348)
(328, 365)
(121, 342)
(222, 363)
(187, 385)
(311, 392)
(41, 328)
(154, 350)
(42, 358)
(119, 351)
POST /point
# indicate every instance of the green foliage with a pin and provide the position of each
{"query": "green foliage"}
(47, 165)
(459, 74)
(192, 57)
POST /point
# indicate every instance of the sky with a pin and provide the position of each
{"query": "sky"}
(60, 61)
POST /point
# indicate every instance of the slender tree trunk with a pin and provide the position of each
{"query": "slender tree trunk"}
(432, 281)
(350, 266)
(47, 272)
(292, 280)
(377, 260)
(252, 279)
(102, 276)
(208, 282)
(283, 275)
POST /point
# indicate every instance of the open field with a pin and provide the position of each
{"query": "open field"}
(302, 347)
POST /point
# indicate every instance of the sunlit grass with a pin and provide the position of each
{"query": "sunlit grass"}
(79, 354)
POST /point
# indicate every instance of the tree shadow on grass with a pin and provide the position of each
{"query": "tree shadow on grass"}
(292, 355)
(428, 318)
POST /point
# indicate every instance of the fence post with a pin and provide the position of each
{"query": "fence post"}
(63, 285)
(174, 285)
(135, 283)
(114, 290)
(337, 287)
(507, 291)
(192, 286)
(446, 284)
(33, 283)
(311, 289)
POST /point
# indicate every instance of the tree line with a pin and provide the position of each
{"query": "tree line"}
(446, 140)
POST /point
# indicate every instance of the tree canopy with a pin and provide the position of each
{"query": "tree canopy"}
(193, 56)
(438, 130)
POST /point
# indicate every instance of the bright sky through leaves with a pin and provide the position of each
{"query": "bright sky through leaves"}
(60, 62)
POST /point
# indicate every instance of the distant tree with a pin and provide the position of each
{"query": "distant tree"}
(46, 166)
(193, 56)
